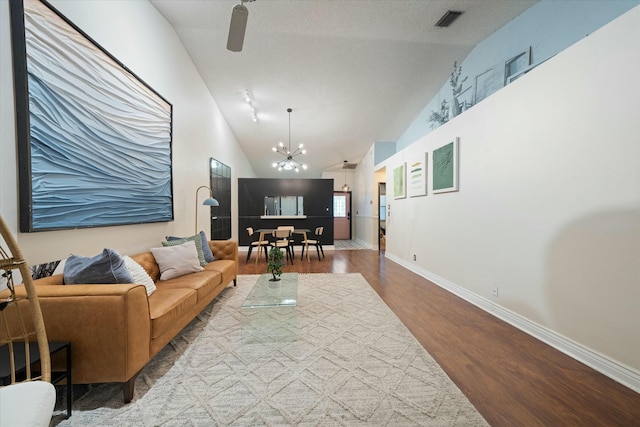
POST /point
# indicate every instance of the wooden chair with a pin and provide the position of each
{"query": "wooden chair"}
(315, 242)
(291, 239)
(262, 246)
(29, 399)
(282, 241)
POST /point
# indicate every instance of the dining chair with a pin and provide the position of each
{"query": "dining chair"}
(315, 242)
(261, 245)
(283, 237)
(29, 399)
(291, 238)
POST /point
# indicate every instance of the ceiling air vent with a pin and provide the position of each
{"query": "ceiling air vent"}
(448, 18)
(349, 165)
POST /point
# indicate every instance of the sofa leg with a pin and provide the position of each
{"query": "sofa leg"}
(127, 388)
(235, 281)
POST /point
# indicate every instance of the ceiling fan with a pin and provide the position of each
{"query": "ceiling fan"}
(239, 16)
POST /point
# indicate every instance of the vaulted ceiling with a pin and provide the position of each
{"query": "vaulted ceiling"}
(353, 72)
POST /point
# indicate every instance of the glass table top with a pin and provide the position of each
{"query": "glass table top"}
(283, 293)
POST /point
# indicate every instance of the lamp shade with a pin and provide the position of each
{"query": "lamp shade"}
(210, 201)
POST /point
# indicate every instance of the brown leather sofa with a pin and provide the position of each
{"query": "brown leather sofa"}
(115, 330)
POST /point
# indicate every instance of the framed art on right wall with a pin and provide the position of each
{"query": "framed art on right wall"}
(399, 182)
(444, 167)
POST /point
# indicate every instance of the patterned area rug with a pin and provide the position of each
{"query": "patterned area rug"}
(347, 245)
(340, 358)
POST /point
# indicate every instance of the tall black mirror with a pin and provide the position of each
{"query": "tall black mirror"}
(220, 184)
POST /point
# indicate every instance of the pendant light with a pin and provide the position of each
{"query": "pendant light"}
(289, 162)
(345, 187)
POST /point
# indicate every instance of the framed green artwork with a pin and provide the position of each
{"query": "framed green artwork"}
(445, 168)
(399, 182)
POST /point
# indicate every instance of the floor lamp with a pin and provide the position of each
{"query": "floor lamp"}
(207, 202)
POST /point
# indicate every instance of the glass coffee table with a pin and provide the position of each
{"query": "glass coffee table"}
(283, 293)
(269, 314)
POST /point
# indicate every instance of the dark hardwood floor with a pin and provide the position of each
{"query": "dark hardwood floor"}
(510, 377)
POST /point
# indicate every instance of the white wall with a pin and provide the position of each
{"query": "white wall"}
(549, 203)
(136, 34)
(366, 201)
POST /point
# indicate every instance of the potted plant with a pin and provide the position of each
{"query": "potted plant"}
(275, 263)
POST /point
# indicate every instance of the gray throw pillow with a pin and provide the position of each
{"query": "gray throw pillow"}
(175, 261)
(107, 267)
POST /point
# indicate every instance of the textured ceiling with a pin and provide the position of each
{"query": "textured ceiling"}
(354, 72)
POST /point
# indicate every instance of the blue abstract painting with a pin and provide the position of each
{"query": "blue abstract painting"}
(97, 140)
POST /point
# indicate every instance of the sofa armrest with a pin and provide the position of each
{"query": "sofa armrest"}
(226, 249)
(109, 328)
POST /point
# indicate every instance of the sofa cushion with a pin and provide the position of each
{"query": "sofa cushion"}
(206, 250)
(203, 283)
(104, 268)
(221, 265)
(166, 306)
(139, 274)
(178, 260)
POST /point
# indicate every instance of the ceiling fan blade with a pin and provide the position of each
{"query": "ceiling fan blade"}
(237, 28)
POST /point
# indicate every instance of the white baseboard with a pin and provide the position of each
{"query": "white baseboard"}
(617, 371)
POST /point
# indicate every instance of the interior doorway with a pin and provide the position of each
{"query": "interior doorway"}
(382, 216)
(342, 215)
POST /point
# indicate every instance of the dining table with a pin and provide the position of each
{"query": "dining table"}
(266, 231)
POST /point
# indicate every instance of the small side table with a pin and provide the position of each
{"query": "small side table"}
(34, 355)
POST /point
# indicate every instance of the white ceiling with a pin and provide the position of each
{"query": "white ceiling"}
(354, 72)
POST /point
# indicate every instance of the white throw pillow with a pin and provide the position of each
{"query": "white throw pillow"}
(139, 274)
(60, 268)
(175, 261)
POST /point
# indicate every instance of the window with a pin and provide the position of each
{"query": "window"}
(339, 206)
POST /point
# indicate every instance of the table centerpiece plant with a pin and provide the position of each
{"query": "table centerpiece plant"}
(275, 263)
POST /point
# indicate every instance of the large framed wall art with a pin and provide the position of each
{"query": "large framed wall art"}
(445, 167)
(94, 141)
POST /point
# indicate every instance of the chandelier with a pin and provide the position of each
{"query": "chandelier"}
(289, 162)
